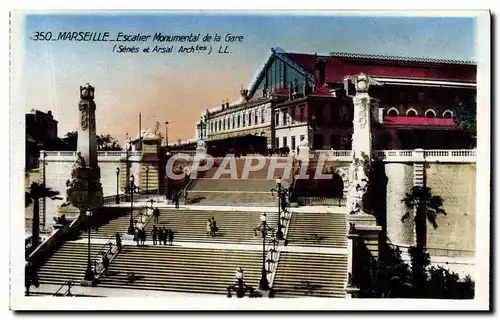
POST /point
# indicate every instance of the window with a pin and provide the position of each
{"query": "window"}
(262, 116)
(244, 120)
(233, 122)
(250, 118)
(215, 126)
(420, 96)
(292, 115)
(393, 112)
(293, 143)
(239, 118)
(224, 124)
(220, 125)
(256, 117)
(211, 127)
(447, 114)
(284, 117)
(411, 113)
(302, 114)
(430, 113)
(277, 119)
(277, 142)
(284, 142)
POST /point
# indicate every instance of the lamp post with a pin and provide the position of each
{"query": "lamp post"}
(117, 185)
(166, 134)
(147, 177)
(131, 188)
(279, 190)
(89, 274)
(240, 287)
(264, 230)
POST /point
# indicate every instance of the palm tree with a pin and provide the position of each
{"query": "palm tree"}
(37, 192)
(427, 206)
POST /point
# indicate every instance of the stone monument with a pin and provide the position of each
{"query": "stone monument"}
(84, 189)
(359, 170)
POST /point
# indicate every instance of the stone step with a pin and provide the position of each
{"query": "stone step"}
(325, 273)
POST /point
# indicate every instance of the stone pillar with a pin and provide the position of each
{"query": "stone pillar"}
(359, 170)
(84, 189)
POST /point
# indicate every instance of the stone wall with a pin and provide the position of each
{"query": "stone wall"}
(399, 181)
(456, 184)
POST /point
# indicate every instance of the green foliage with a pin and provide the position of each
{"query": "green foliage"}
(466, 117)
(105, 142)
(391, 277)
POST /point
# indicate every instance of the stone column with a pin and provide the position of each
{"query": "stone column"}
(359, 170)
(84, 189)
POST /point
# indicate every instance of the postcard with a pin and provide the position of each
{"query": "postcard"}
(215, 160)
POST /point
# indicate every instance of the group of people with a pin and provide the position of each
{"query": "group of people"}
(211, 227)
(162, 234)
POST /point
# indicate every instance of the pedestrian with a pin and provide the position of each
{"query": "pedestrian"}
(209, 227)
(105, 263)
(156, 215)
(118, 241)
(214, 227)
(165, 235)
(160, 235)
(137, 235)
(154, 234)
(177, 196)
(170, 236)
(143, 236)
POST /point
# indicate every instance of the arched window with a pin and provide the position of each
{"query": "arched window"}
(448, 114)
(430, 113)
(411, 113)
(393, 112)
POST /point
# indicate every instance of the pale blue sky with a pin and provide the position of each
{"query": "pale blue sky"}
(177, 87)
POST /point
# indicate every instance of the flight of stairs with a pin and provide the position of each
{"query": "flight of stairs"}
(118, 223)
(255, 192)
(181, 269)
(318, 229)
(190, 225)
(418, 174)
(68, 263)
(311, 274)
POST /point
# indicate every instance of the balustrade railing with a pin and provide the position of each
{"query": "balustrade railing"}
(321, 201)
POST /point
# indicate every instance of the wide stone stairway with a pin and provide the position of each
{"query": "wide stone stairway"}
(181, 269)
(190, 225)
(68, 263)
(118, 223)
(254, 192)
(311, 274)
(318, 229)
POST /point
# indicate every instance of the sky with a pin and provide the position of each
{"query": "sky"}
(176, 87)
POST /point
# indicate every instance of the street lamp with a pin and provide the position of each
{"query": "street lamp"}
(280, 192)
(240, 287)
(264, 229)
(89, 274)
(166, 134)
(131, 188)
(147, 177)
(117, 185)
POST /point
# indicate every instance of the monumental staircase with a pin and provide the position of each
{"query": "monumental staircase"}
(318, 229)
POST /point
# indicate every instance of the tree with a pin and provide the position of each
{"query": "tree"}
(37, 192)
(105, 142)
(71, 140)
(427, 206)
(465, 119)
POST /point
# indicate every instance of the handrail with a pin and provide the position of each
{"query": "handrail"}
(69, 284)
(108, 242)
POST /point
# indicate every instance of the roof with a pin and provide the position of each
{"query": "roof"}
(324, 91)
(418, 121)
(340, 65)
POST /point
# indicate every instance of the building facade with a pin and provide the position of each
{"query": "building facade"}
(305, 97)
